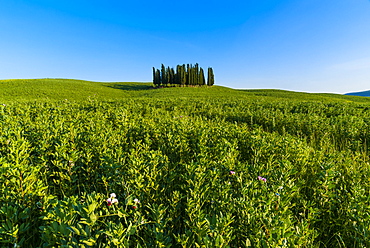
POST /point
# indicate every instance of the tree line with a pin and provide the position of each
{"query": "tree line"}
(184, 75)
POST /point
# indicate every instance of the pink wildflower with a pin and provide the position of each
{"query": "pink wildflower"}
(262, 178)
(232, 172)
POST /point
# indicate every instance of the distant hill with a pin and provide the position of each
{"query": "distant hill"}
(361, 93)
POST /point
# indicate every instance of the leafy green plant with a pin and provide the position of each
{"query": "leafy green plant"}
(210, 167)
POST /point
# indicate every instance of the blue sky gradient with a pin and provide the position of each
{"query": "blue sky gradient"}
(310, 45)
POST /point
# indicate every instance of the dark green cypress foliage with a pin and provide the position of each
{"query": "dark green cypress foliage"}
(178, 75)
(163, 75)
(158, 77)
(172, 76)
(154, 78)
(210, 77)
(187, 74)
(201, 77)
(168, 75)
(191, 75)
(183, 75)
(182, 78)
(213, 77)
(195, 75)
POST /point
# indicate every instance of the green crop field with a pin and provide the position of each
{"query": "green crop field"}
(188, 166)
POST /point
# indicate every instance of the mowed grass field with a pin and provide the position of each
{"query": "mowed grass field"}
(189, 167)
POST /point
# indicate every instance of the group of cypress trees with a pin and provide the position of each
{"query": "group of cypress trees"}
(184, 75)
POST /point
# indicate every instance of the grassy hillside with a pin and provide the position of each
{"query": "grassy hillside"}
(189, 167)
(54, 89)
(79, 90)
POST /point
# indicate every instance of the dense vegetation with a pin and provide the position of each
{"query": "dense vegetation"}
(191, 167)
(188, 75)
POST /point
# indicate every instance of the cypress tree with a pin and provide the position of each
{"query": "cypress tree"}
(190, 74)
(178, 75)
(201, 77)
(210, 77)
(196, 74)
(192, 69)
(163, 75)
(168, 75)
(158, 77)
(183, 75)
(172, 76)
(154, 77)
(187, 74)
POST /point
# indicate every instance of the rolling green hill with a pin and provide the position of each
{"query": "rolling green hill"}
(20, 90)
(55, 89)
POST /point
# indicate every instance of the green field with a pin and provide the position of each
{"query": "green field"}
(190, 167)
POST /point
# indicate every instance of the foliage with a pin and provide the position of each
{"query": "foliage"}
(213, 167)
(210, 77)
(185, 75)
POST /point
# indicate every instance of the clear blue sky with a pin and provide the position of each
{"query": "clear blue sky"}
(300, 45)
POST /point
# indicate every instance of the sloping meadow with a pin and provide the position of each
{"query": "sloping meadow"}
(185, 173)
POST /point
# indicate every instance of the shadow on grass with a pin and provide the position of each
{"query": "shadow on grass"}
(131, 86)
